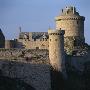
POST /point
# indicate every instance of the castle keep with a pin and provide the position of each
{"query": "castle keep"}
(73, 24)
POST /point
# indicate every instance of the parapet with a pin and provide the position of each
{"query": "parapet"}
(69, 10)
(56, 32)
(69, 18)
(69, 13)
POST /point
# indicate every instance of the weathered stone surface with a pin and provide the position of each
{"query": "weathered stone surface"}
(36, 75)
(24, 55)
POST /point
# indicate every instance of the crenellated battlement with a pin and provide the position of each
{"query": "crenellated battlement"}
(70, 10)
(56, 32)
(58, 18)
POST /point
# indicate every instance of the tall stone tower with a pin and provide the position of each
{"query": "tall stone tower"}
(57, 58)
(56, 49)
(73, 24)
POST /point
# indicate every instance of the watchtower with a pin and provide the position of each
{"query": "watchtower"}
(73, 24)
(57, 58)
(56, 49)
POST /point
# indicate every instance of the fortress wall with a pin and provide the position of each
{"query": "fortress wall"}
(36, 75)
(40, 44)
(33, 44)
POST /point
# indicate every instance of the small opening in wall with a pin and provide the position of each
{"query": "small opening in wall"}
(50, 39)
(55, 39)
(77, 22)
(34, 39)
(37, 48)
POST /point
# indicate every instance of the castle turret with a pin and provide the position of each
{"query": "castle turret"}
(73, 24)
(57, 58)
(56, 49)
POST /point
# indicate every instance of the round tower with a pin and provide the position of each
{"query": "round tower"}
(73, 24)
(57, 58)
(56, 49)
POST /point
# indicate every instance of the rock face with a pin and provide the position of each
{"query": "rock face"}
(35, 75)
(25, 55)
(7, 83)
(30, 66)
(33, 68)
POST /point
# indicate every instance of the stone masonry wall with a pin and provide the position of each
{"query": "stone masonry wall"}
(24, 55)
(71, 27)
(34, 44)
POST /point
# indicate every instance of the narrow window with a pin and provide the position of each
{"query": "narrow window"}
(37, 48)
(34, 39)
(77, 22)
(55, 39)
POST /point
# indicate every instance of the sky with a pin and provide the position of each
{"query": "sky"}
(37, 15)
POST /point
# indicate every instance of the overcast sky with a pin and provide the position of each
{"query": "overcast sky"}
(37, 15)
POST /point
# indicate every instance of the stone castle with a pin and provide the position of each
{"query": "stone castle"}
(65, 46)
(69, 20)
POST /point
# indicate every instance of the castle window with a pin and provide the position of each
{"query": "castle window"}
(37, 48)
(77, 22)
(55, 39)
(45, 39)
(50, 39)
(34, 39)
